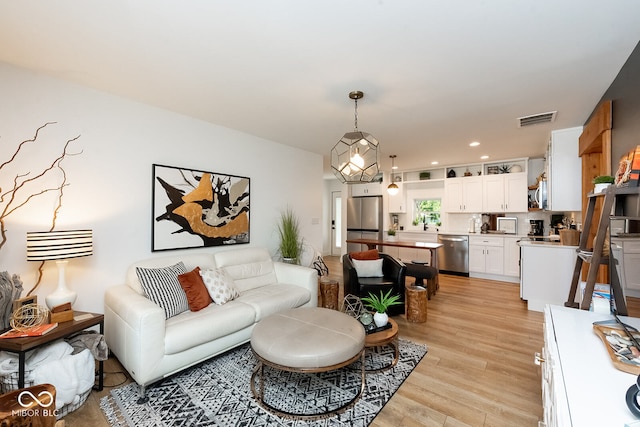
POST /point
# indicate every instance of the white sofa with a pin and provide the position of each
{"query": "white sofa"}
(151, 347)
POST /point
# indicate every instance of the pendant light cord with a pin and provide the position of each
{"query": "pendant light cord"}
(355, 122)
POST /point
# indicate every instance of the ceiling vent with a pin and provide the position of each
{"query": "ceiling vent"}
(536, 119)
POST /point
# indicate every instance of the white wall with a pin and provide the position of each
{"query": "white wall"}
(110, 181)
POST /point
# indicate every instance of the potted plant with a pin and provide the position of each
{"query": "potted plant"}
(380, 305)
(601, 182)
(391, 233)
(290, 242)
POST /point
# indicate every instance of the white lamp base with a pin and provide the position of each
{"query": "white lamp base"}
(62, 294)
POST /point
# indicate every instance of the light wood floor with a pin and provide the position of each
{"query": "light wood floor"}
(479, 369)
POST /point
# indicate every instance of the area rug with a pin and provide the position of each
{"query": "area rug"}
(217, 393)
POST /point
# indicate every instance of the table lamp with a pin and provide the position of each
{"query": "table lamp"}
(59, 246)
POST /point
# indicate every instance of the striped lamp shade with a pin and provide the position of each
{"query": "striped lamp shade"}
(52, 245)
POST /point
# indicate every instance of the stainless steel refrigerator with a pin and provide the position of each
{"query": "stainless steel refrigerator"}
(364, 220)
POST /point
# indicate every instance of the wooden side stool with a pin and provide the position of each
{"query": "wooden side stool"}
(416, 297)
(329, 293)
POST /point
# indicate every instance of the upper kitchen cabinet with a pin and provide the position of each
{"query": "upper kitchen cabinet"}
(463, 194)
(369, 189)
(505, 193)
(564, 171)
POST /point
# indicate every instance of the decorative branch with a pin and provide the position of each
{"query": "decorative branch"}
(13, 194)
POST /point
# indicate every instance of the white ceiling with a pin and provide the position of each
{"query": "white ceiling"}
(436, 74)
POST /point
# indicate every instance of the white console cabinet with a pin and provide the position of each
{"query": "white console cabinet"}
(580, 386)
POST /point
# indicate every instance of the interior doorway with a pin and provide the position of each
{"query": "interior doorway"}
(336, 223)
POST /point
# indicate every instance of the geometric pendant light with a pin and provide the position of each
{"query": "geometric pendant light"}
(355, 157)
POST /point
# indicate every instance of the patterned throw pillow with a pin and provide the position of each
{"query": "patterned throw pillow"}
(220, 286)
(161, 286)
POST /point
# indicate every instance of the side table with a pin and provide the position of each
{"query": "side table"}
(329, 293)
(82, 321)
(416, 301)
(382, 338)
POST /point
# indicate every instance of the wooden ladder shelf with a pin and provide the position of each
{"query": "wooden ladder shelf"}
(595, 256)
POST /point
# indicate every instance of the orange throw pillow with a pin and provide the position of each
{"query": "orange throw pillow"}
(197, 295)
(365, 255)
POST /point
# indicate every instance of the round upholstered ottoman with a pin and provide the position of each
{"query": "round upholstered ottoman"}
(307, 340)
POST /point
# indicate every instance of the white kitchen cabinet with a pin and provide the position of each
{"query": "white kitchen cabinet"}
(580, 385)
(369, 189)
(511, 256)
(505, 193)
(627, 252)
(398, 202)
(463, 194)
(564, 171)
(486, 254)
(547, 271)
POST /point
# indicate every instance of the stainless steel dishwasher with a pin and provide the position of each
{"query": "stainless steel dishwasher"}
(453, 256)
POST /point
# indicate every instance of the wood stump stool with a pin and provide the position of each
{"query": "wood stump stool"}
(329, 293)
(416, 297)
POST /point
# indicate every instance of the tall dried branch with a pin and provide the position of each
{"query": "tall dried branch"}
(14, 198)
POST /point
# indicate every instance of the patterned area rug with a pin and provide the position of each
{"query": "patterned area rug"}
(217, 393)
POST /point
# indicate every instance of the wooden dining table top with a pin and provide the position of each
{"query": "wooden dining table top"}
(399, 243)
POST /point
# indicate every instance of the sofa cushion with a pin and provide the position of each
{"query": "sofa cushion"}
(194, 328)
(161, 286)
(191, 261)
(197, 295)
(219, 285)
(270, 299)
(365, 255)
(249, 268)
(369, 268)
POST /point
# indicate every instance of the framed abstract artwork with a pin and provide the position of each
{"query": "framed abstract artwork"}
(195, 209)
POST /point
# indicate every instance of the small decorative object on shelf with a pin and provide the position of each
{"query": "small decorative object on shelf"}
(628, 173)
(505, 169)
(451, 173)
(601, 182)
(492, 170)
(425, 175)
(467, 172)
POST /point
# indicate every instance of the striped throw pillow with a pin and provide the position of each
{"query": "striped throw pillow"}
(161, 286)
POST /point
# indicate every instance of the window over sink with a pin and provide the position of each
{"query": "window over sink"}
(427, 212)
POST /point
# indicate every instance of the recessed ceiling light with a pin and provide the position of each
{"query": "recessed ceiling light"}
(484, 157)
(434, 163)
(474, 144)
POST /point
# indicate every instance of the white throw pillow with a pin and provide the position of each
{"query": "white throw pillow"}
(368, 268)
(220, 285)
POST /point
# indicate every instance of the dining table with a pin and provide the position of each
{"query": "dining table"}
(430, 246)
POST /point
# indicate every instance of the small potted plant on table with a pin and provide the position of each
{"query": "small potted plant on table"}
(380, 304)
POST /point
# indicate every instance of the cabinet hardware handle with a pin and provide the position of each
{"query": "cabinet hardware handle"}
(538, 359)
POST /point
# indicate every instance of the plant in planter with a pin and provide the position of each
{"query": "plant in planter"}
(290, 242)
(504, 169)
(380, 305)
(391, 233)
(601, 182)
